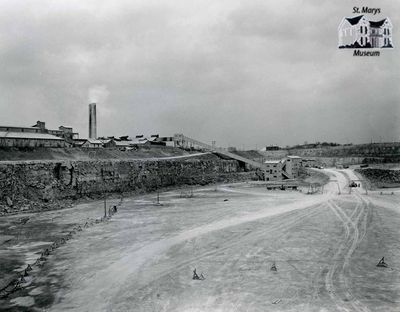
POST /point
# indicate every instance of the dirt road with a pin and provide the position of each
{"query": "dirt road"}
(325, 247)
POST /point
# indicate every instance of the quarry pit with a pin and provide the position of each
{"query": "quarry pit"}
(187, 212)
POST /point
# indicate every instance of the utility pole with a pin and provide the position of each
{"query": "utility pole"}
(158, 184)
(265, 178)
(105, 206)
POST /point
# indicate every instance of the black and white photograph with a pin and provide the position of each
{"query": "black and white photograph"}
(199, 156)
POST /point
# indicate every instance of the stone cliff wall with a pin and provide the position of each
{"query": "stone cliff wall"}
(381, 178)
(31, 186)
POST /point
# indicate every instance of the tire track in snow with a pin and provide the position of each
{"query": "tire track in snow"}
(125, 268)
(344, 254)
(246, 238)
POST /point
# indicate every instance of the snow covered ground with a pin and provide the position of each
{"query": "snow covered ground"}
(325, 247)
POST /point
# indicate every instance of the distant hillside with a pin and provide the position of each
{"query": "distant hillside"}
(370, 153)
(361, 150)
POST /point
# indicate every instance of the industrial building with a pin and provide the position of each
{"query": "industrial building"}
(30, 139)
(309, 163)
(92, 143)
(273, 170)
(36, 136)
(291, 166)
(286, 168)
(40, 127)
(121, 143)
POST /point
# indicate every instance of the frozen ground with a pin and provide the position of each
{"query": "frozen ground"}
(325, 247)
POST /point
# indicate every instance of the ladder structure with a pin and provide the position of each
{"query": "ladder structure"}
(183, 141)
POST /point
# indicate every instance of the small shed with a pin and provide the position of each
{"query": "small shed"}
(140, 142)
(109, 143)
(155, 140)
(123, 145)
(92, 143)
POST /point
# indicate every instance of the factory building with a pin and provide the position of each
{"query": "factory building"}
(292, 165)
(92, 143)
(273, 170)
(156, 140)
(30, 139)
(309, 163)
(36, 136)
(286, 168)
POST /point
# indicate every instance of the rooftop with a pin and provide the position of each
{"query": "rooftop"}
(123, 143)
(94, 141)
(354, 20)
(139, 141)
(272, 162)
(19, 127)
(28, 135)
(377, 24)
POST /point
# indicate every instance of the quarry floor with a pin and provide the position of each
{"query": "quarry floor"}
(325, 247)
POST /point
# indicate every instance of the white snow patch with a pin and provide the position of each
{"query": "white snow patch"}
(127, 266)
(36, 291)
(23, 301)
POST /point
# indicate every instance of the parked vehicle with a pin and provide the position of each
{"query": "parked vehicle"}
(353, 184)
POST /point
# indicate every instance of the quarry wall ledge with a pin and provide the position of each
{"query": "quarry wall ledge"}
(32, 186)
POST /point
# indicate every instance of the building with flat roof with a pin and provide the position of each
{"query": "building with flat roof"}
(92, 143)
(36, 136)
(292, 165)
(30, 139)
(273, 170)
(286, 168)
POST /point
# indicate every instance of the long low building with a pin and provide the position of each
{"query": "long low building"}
(30, 139)
(36, 136)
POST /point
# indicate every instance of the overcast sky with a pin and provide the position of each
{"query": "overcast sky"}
(243, 73)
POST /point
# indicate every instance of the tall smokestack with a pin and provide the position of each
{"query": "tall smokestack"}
(92, 121)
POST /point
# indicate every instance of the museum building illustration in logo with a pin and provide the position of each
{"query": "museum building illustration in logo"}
(359, 32)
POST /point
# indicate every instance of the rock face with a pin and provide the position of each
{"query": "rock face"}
(381, 177)
(9, 201)
(38, 183)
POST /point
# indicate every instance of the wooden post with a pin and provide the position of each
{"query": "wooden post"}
(105, 206)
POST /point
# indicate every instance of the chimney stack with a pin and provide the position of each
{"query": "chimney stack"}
(92, 121)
